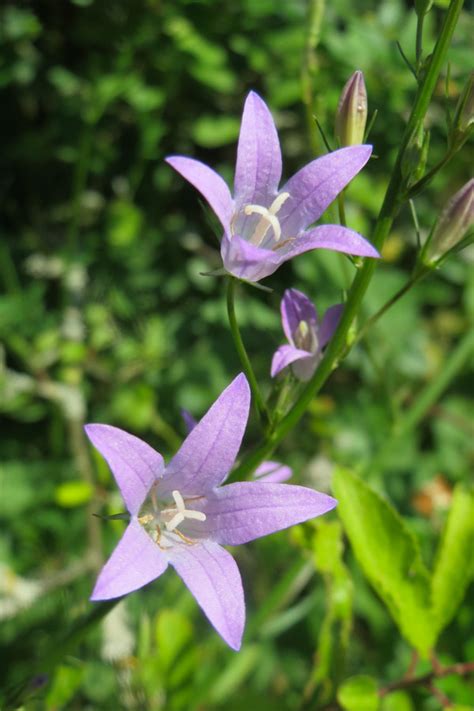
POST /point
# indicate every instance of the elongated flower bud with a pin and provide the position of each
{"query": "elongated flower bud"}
(452, 225)
(351, 114)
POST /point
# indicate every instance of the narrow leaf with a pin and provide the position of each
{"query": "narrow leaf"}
(454, 567)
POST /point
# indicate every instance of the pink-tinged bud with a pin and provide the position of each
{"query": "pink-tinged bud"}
(453, 223)
(463, 121)
(351, 114)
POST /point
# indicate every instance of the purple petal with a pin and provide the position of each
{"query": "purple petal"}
(285, 355)
(212, 576)
(134, 464)
(136, 561)
(209, 451)
(258, 168)
(303, 369)
(238, 513)
(272, 472)
(210, 185)
(313, 188)
(340, 239)
(246, 261)
(329, 324)
(296, 307)
(189, 421)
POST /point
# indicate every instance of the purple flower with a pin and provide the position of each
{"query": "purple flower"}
(182, 516)
(266, 471)
(305, 335)
(265, 226)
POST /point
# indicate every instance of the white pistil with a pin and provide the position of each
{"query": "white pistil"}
(268, 219)
(181, 513)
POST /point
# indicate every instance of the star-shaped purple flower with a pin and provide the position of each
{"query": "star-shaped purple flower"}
(266, 471)
(182, 516)
(265, 226)
(306, 336)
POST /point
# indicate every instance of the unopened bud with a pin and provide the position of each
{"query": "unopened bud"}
(463, 121)
(351, 114)
(453, 223)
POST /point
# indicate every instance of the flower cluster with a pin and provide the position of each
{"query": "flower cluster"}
(182, 514)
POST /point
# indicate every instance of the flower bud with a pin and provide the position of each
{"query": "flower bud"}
(351, 114)
(463, 121)
(452, 224)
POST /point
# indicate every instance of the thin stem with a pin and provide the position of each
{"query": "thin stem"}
(244, 359)
(424, 182)
(388, 305)
(419, 41)
(342, 209)
(392, 201)
(426, 399)
(315, 19)
(462, 669)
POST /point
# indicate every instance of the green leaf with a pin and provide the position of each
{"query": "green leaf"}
(358, 693)
(454, 567)
(389, 556)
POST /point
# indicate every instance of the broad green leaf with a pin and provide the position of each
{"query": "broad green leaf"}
(358, 693)
(389, 556)
(454, 567)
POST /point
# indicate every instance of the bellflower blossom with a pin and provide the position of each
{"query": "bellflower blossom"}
(180, 515)
(263, 225)
(266, 471)
(306, 337)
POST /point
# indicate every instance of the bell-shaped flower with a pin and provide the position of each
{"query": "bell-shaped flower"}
(181, 515)
(306, 336)
(265, 225)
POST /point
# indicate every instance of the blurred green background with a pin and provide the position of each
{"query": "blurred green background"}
(105, 316)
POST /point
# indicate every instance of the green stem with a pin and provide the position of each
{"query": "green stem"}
(392, 201)
(426, 399)
(244, 359)
(420, 185)
(418, 276)
(315, 19)
(419, 42)
(342, 209)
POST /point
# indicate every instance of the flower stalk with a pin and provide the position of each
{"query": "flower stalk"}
(394, 197)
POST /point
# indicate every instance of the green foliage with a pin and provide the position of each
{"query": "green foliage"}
(454, 567)
(390, 557)
(104, 316)
(358, 693)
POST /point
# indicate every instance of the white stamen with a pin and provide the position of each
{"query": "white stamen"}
(181, 513)
(268, 219)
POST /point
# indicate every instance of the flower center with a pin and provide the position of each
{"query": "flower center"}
(268, 219)
(161, 522)
(174, 516)
(305, 337)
